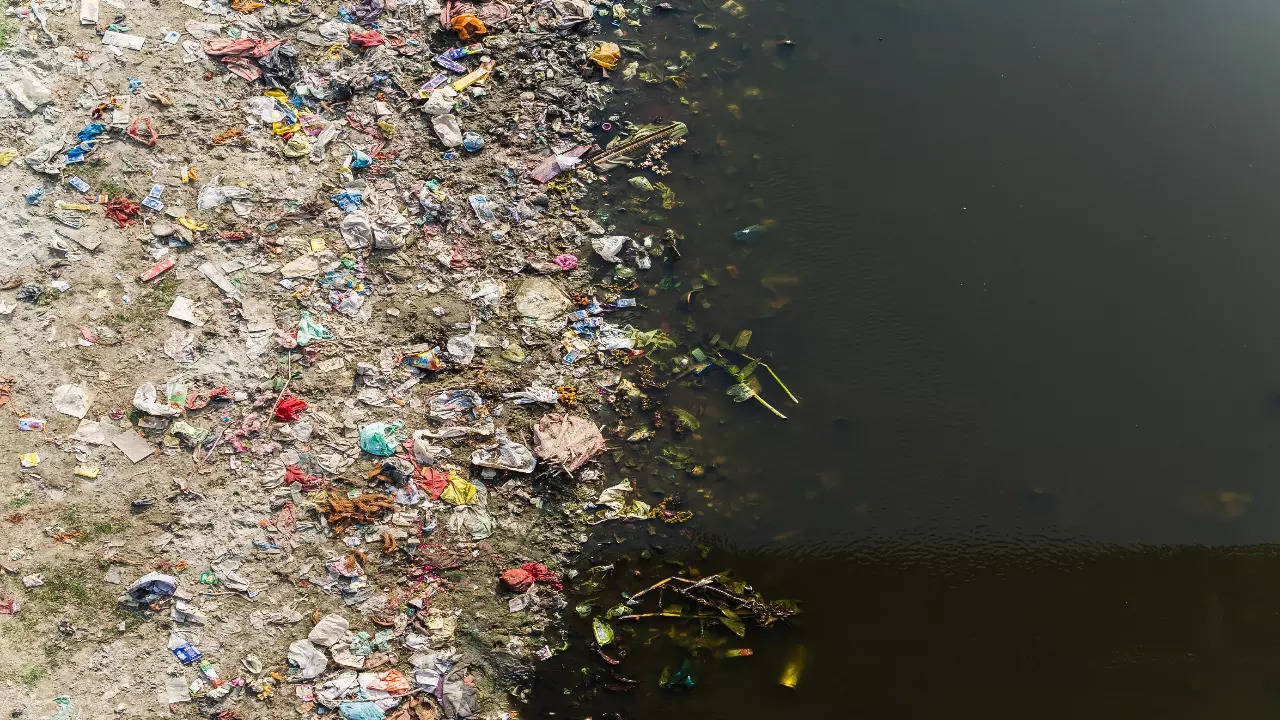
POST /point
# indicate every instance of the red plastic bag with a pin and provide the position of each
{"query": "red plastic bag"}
(289, 408)
(367, 39)
(432, 481)
(294, 474)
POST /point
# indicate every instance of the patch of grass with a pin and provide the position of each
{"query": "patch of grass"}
(22, 500)
(70, 518)
(21, 628)
(104, 527)
(53, 653)
(112, 189)
(73, 521)
(150, 304)
(62, 586)
(32, 675)
(7, 26)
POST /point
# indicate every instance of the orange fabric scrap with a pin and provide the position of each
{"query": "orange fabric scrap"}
(467, 26)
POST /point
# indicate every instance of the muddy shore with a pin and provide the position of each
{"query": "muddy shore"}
(345, 369)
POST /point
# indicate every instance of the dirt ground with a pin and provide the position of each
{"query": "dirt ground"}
(80, 539)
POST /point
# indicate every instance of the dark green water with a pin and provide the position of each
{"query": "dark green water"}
(1023, 274)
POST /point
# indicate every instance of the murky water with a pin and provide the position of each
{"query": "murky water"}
(1021, 270)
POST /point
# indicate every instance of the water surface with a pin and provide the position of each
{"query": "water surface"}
(1022, 272)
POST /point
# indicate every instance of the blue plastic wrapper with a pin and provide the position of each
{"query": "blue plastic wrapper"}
(348, 200)
(187, 653)
(472, 142)
(360, 159)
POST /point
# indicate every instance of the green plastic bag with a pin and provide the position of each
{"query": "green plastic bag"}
(380, 438)
(309, 330)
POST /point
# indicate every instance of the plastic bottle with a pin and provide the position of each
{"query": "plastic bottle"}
(210, 673)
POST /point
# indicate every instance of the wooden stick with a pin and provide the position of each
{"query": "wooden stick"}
(657, 614)
(654, 586)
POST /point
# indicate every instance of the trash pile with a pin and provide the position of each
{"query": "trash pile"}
(305, 296)
(310, 310)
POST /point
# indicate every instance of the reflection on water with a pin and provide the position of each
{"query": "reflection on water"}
(1017, 259)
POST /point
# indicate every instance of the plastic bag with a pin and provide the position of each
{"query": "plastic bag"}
(458, 491)
(568, 440)
(424, 453)
(441, 103)
(462, 348)
(329, 631)
(534, 393)
(448, 129)
(307, 658)
(606, 55)
(507, 454)
(213, 195)
(325, 137)
(151, 587)
(73, 400)
(379, 438)
(455, 405)
(309, 330)
(619, 505)
(145, 399)
(609, 247)
(357, 231)
(473, 520)
(280, 66)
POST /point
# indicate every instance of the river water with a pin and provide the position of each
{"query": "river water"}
(1021, 271)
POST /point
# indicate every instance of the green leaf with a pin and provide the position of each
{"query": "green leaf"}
(733, 622)
(602, 631)
(686, 418)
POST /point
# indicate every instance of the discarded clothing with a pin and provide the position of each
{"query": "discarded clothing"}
(522, 578)
(567, 440)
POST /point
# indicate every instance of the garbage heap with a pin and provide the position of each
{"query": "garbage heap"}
(304, 294)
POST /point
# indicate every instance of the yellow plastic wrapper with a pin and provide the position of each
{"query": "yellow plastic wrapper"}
(459, 491)
(192, 224)
(280, 128)
(7, 156)
(606, 55)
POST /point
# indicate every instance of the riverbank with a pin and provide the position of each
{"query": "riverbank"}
(316, 365)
